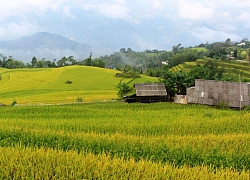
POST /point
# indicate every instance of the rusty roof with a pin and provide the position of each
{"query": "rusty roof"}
(150, 89)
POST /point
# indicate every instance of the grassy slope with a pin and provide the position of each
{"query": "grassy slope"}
(48, 85)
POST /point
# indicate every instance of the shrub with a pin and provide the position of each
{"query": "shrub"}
(13, 103)
(79, 99)
(246, 108)
(68, 82)
(222, 105)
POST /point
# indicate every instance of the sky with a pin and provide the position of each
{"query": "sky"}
(166, 22)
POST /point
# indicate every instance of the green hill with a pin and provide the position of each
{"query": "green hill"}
(48, 86)
(231, 68)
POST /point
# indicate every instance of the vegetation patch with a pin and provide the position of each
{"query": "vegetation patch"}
(68, 82)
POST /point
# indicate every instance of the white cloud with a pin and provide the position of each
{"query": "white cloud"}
(112, 11)
(16, 7)
(121, 2)
(195, 10)
(17, 30)
(244, 3)
(204, 34)
(243, 19)
(228, 27)
(158, 5)
(245, 16)
(67, 12)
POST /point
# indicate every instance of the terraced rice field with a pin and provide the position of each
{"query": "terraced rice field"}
(124, 141)
(231, 69)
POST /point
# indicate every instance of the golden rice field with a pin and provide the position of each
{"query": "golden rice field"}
(115, 140)
(47, 86)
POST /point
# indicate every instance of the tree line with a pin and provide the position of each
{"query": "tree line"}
(11, 63)
(148, 61)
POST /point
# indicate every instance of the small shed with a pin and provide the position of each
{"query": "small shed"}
(148, 93)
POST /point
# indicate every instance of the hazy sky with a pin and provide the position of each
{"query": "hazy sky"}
(203, 20)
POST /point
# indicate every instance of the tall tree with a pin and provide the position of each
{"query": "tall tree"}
(34, 61)
(88, 61)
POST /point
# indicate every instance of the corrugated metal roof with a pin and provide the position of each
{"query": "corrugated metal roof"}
(150, 89)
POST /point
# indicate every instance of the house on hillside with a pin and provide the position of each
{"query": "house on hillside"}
(212, 92)
(148, 93)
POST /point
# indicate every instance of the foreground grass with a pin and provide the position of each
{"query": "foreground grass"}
(121, 141)
(56, 164)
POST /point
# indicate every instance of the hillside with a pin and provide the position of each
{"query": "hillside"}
(231, 68)
(47, 86)
(43, 45)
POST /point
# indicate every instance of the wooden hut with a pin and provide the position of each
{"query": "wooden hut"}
(148, 93)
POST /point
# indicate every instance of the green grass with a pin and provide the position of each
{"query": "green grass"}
(47, 86)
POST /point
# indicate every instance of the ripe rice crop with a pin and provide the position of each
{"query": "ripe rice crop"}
(135, 141)
(47, 85)
(34, 163)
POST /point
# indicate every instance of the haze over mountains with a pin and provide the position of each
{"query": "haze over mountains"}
(44, 45)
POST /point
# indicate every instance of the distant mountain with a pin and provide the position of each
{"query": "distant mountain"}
(44, 45)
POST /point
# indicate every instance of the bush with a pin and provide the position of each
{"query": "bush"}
(13, 103)
(223, 105)
(246, 108)
(68, 82)
(79, 99)
(123, 89)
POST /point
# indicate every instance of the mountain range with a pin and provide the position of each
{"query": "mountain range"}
(44, 45)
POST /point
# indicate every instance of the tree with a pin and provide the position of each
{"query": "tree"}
(12, 63)
(180, 78)
(198, 72)
(124, 88)
(218, 51)
(175, 49)
(123, 50)
(99, 63)
(71, 60)
(62, 62)
(228, 42)
(4, 62)
(129, 50)
(88, 61)
(168, 79)
(34, 61)
(1, 62)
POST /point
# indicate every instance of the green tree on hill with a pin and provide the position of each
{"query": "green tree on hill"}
(88, 61)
